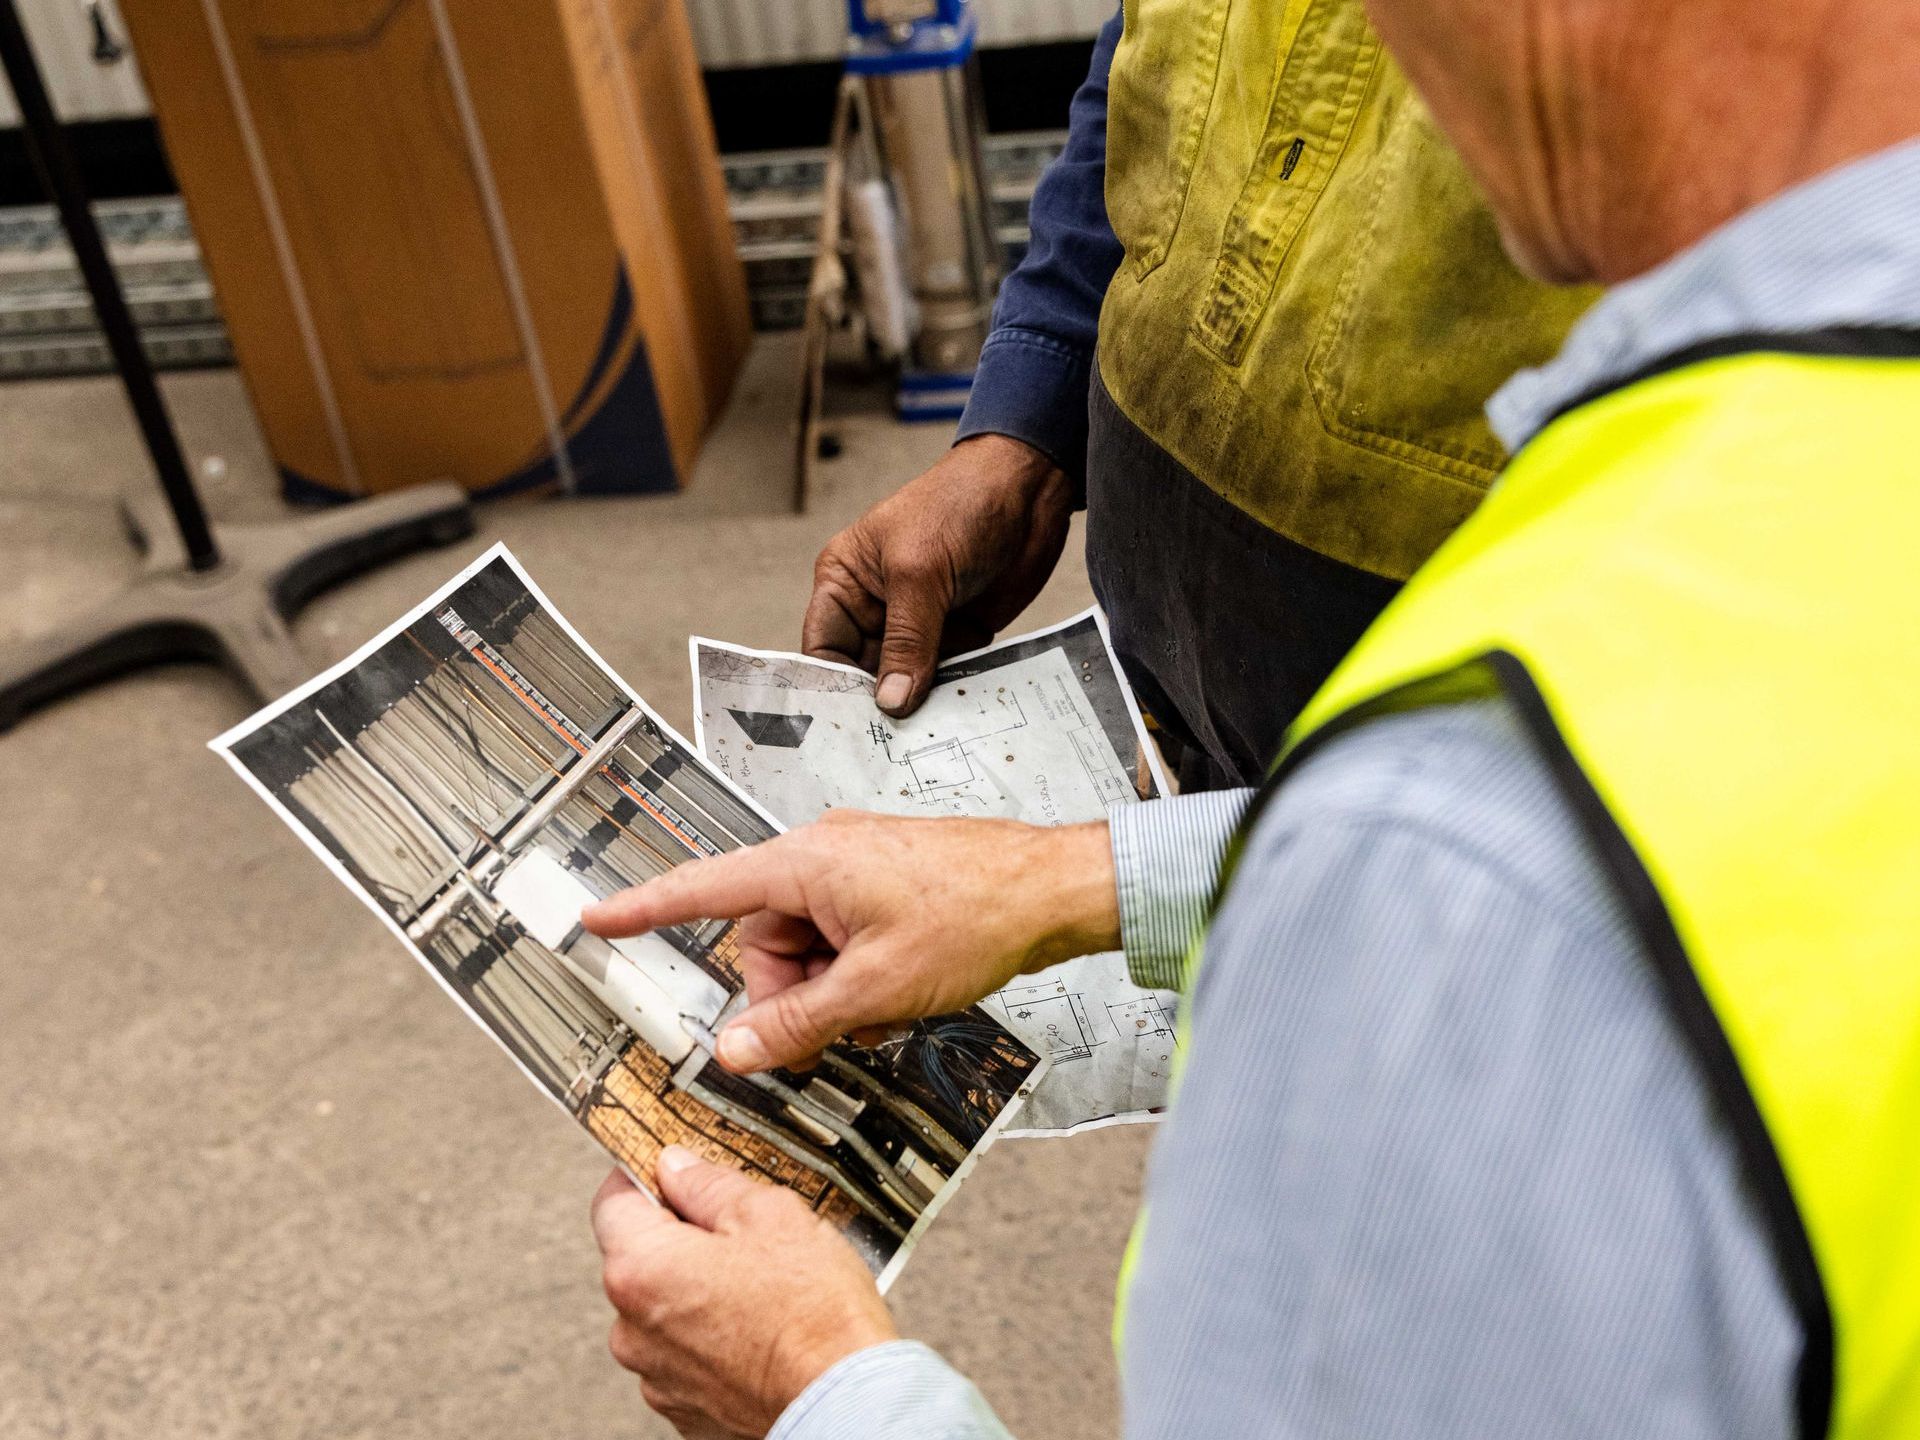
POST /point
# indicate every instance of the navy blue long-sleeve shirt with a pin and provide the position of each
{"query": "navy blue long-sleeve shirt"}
(1038, 361)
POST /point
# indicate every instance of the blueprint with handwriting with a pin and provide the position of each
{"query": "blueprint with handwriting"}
(1042, 728)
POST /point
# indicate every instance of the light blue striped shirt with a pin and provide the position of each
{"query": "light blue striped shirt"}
(1441, 1164)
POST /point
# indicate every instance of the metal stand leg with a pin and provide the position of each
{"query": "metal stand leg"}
(209, 591)
(59, 172)
(234, 614)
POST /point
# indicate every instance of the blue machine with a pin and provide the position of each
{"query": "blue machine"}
(916, 59)
(888, 37)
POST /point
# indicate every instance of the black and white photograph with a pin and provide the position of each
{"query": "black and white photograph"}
(479, 777)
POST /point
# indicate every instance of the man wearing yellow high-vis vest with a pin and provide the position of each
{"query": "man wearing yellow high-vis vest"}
(1553, 1060)
(1262, 309)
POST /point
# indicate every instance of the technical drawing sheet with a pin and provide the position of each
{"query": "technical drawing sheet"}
(1042, 728)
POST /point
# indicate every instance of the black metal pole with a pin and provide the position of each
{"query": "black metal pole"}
(47, 144)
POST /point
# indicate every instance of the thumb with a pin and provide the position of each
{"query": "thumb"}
(916, 614)
(714, 1197)
(790, 1027)
(623, 1215)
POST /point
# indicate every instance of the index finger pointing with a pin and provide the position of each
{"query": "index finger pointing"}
(724, 887)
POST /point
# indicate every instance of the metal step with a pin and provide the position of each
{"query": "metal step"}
(46, 320)
(170, 347)
(150, 242)
(66, 311)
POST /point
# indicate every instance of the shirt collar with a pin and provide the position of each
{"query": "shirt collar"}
(1842, 249)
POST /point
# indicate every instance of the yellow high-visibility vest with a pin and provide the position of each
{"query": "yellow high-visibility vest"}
(1702, 592)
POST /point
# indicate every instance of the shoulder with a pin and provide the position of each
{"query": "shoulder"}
(1461, 783)
(1438, 1139)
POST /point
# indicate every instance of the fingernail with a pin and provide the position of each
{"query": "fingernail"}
(894, 691)
(676, 1158)
(741, 1049)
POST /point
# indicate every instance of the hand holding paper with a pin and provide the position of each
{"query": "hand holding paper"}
(477, 775)
(1039, 728)
(940, 567)
(731, 1310)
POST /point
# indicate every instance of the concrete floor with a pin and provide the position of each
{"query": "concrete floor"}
(257, 1177)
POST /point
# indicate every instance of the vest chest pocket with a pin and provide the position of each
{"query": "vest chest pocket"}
(1316, 102)
(1430, 316)
(1160, 92)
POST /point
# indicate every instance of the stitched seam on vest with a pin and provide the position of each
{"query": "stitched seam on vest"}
(1209, 44)
(1430, 453)
(1793, 1249)
(1269, 214)
(1255, 241)
(1289, 529)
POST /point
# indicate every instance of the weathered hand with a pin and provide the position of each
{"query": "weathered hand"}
(731, 1303)
(858, 921)
(940, 566)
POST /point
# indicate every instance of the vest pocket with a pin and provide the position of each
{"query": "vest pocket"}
(1316, 101)
(1160, 92)
(1430, 317)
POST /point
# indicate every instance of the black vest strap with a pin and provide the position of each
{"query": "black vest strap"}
(1856, 342)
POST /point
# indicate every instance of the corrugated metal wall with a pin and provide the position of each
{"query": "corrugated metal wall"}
(776, 32)
(730, 33)
(1035, 22)
(83, 89)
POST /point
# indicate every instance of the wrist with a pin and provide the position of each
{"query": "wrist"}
(882, 1389)
(817, 1359)
(1025, 473)
(1077, 912)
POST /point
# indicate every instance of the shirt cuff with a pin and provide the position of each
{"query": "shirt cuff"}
(1033, 388)
(897, 1391)
(1167, 856)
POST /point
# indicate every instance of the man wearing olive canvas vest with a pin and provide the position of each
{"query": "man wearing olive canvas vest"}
(1552, 1065)
(1261, 313)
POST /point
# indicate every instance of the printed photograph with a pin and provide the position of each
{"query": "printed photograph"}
(478, 776)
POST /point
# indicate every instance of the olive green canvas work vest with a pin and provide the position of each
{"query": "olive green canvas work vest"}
(1313, 307)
